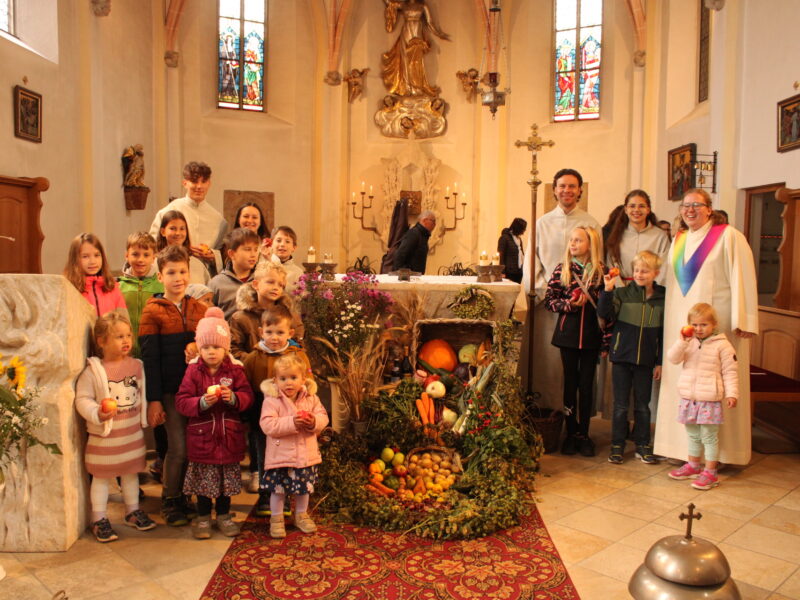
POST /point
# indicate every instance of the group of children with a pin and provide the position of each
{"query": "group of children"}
(626, 323)
(221, 376)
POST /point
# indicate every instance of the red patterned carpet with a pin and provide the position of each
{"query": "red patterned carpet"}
(348, 563)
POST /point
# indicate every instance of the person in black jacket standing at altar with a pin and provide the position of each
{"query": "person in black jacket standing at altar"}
(510, 248)
(413, 250)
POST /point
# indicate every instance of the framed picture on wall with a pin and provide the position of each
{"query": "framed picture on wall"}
(27, 114)
(789, 124)
(680, 170)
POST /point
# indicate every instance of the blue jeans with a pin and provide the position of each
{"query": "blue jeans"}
(624, 377)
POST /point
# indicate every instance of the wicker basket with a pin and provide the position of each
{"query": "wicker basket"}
(452, 456)
(548, 423)
(456, 332)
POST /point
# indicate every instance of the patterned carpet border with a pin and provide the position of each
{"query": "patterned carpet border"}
(344, 562)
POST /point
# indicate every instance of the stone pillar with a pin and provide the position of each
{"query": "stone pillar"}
(46, 322)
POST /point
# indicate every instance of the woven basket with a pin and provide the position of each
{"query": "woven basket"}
(456, 332)
(451, 454)
(548, 423)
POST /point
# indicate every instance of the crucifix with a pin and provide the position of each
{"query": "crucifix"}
(534, 143)
(689, 518)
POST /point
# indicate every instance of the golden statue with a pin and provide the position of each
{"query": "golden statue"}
(403, 66)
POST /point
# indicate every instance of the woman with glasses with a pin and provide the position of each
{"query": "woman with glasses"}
(708, 262)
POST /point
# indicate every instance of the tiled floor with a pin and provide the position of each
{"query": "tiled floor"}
(602, 517)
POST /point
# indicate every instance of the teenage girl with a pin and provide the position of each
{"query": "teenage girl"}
(573, 291)
(110, 396)
(708, 380)
(87, 269)
(174, 231)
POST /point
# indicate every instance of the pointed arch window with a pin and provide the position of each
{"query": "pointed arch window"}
(7, 16)
(241, 38)
(578, 41)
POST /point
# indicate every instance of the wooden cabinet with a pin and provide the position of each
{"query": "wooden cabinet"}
(20, 233)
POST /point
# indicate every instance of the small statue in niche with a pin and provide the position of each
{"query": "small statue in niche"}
(469, 82)
(133, 166)
(355, 83)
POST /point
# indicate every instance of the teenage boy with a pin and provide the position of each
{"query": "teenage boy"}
(206, 225)
(168, 324)
(284, 243)
(636, 339)
(242, 250)
(139, 280)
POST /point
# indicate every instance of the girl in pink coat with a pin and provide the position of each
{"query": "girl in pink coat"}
(291, 418)
(88, 270)
(709, 378)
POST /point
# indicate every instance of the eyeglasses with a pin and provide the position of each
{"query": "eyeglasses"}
(694, 205)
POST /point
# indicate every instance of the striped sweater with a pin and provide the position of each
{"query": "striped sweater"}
(116, 446)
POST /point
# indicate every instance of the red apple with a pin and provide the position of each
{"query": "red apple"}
(687, 331)
(214, 389)
(613, 272)
(108, 405)
(304, 414)
(400, 470)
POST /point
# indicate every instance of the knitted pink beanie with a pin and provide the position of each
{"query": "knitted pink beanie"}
(212, 330)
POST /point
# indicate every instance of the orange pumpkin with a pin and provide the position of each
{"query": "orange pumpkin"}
(438, 354)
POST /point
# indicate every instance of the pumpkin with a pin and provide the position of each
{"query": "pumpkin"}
(438, 354)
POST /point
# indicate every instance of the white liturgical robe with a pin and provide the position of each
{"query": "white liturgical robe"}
(727, 281)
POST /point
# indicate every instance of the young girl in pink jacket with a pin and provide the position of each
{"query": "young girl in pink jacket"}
(708, 379)
(291, 418)
(88, 270)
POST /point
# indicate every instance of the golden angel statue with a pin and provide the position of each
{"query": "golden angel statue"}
(133, 166)
(403, 66)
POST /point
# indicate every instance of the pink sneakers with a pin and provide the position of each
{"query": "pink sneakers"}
(705, 481)
(685, 472)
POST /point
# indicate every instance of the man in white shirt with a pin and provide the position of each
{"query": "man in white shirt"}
(207, 227)
(552, 234)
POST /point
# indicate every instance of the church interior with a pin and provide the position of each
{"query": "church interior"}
(324, 145)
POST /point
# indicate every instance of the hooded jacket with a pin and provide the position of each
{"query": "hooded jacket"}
(638, 329)
(244, 323)
(225, 287)
(214, 436)
(577, 326)
(259, 365)
(709, 371)
(102, 301)
(509, 252)
(137, 291)
(286, 446)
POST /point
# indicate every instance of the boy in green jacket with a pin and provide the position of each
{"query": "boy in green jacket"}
(139, 280)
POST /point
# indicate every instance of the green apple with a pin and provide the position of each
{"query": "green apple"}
(387, 455)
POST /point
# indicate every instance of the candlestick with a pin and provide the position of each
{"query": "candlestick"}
(362, 186)
(370, 190)
(483, 260)
(496, 258)
(312, 255)
(447, 191)
(327, 259)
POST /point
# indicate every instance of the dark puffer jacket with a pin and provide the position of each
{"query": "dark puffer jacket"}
(577, 327)
(638, 329)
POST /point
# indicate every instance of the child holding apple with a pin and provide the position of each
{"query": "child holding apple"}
(276, 331)
(708, 379)
(637, 311)
(291, 417)
(110, 396)
(573, 291)
(213, 393)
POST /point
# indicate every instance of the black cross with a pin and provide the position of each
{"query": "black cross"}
(689, 518)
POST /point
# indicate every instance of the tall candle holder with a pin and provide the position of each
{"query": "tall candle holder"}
(326, 269)
(364, 206)
(454, 208)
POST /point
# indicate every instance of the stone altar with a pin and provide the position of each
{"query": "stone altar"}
(46, 322)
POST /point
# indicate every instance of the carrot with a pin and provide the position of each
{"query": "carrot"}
(427, 403)
(382, 488)
(374, 490)
(420, 488)
(423, 411)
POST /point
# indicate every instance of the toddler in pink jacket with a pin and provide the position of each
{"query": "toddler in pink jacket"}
(291, 418)
(708, 379)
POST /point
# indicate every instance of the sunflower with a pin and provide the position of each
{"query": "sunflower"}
(15, 372)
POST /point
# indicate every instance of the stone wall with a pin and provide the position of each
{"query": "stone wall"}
(45, 322)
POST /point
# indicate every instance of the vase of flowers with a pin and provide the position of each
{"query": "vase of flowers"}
(345, 332)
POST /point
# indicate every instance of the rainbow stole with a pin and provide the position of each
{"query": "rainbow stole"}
(687, 272)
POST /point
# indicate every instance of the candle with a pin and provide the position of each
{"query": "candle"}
(312, 255)
(483, 260)
(362, 186)
(463, 197)
(447, 191)
(370, 190)
(496, 258)
(455, 187)
(353, 198)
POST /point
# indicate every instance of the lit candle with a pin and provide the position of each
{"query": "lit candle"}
(327, 259)
(483, 260)
(362, 186)
(463, 197)
(312, 255)
(496, 258)
(455, 187)
(370, 190)
(353, 198)
(447, 191)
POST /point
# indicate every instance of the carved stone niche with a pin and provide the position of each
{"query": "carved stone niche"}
(46, 322)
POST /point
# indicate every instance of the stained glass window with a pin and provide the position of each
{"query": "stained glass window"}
(577, 48)
(7, 16)
(241, 38)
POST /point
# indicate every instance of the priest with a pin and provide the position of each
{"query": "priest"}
(710, 263)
